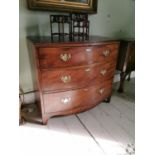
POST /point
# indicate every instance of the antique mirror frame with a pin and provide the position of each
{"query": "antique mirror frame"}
(73, 6)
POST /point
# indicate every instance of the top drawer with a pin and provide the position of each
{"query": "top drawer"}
(72, 56)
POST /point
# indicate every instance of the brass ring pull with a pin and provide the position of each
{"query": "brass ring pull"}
(106, 53)
(103, 71)
(66, 100)
(65, 57)
(66, 78)
(101, 91)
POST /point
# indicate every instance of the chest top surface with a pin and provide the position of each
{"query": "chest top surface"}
(47, 41)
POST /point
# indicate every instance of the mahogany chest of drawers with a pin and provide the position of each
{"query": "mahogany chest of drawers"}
(72, 76)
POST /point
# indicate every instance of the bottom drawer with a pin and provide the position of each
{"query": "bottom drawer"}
(70, 100)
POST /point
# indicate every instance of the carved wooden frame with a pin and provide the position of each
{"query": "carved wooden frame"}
(63, 5)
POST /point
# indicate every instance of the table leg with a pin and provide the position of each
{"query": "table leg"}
(122, 79)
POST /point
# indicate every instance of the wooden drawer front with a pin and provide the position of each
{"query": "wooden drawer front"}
(73, 99)
(76, 77)
(60, 57)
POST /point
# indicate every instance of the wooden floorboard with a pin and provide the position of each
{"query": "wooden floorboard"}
(128, 103)
(109, 123)
(77, 135)
(104, 130)
(119, 118)
(122, 108)
(108, 133)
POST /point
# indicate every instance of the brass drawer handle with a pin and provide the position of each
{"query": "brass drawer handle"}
(106, 53)
(103, 71)
(66, 100)
(101, 91)
(66, 78)
(65, 57)
(87, 70)
(88, 49)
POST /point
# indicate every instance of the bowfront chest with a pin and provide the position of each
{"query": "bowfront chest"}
(72, 76)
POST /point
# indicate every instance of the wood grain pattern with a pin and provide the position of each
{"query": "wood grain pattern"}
(52, 79)
(73, 99)
(50, 57)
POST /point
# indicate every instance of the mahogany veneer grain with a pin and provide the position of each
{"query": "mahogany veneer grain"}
(51, 79)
